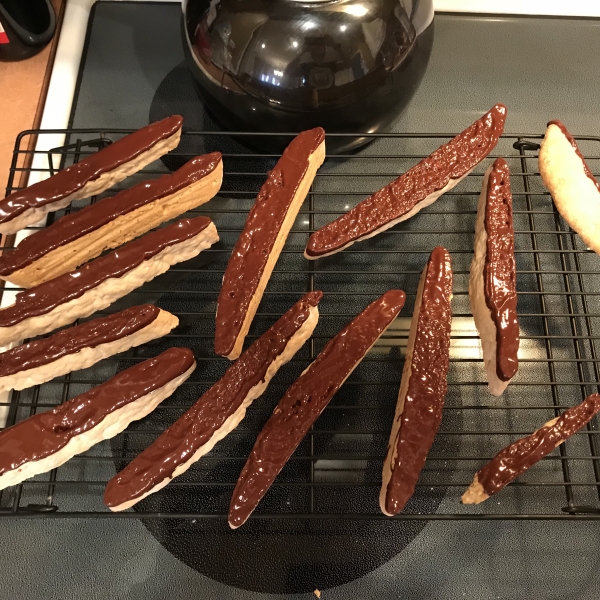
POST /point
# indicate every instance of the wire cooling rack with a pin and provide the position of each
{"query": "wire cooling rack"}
(335, 473)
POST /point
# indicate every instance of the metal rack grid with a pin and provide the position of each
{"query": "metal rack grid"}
(335, 473)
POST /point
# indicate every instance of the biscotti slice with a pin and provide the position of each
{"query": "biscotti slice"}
(575, 191)
(82, 346)
(49, 439)
(109, 223)
(519, 456)
(419, 187)
(261, 241)
(99, 283)
(424, 385)
(493, 279)
(218, 411)
(90, 176)
(306, 399)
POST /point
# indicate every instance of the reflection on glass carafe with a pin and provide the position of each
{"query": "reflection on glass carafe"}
(345, 65)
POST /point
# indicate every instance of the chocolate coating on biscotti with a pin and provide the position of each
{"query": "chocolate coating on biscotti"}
(449, 162)
(427, 386)
(43, 298)
(500, 271)
(70, 180)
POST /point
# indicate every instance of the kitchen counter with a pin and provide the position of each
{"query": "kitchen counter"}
(23, 85)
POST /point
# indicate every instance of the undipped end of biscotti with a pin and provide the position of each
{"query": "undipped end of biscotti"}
(474, 494)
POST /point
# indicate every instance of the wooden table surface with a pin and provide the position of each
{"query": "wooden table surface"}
(23, 89)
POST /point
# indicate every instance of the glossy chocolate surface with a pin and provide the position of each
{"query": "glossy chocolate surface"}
(305, 400)
(500, 270)
(427, 386)
(573, 143)
(76, 225)
(42, 298)
(515, 459)
(46, 433)
(450, 161)
(197, 426)
(73, 178)
(70, 341)
(252, 249)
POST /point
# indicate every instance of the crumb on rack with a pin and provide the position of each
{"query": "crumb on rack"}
(317, 593)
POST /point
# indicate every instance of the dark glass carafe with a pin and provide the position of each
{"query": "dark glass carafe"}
(289, 65)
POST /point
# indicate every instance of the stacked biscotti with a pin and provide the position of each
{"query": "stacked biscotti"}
(68, 276)
(61, 265)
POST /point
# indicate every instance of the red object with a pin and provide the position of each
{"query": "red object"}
(3, 37)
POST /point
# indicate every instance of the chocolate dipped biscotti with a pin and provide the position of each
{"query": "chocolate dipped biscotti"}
(419, 187)
(90, 176)
(99, 283)
(424, 385)
(493, 279)
(519, 456)
(111, 222)
(261, 241)
(82, 346)
(49, 439)
(218, 412)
